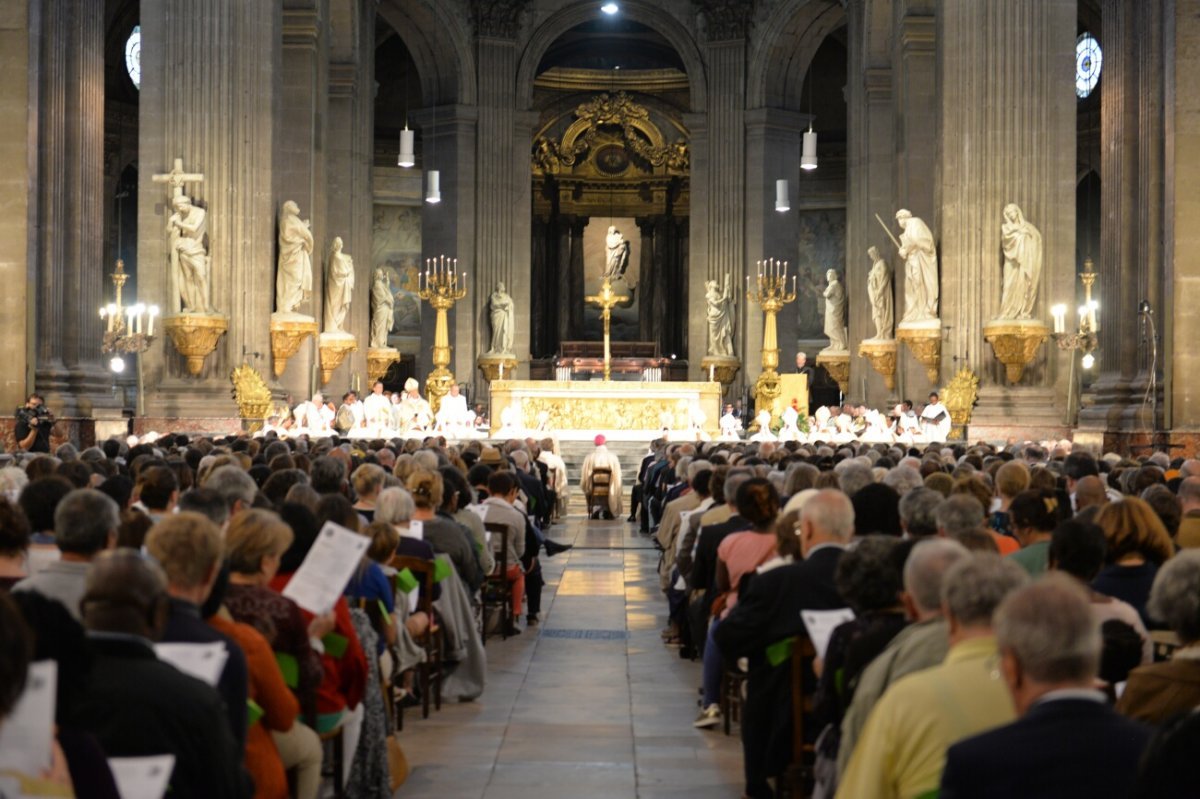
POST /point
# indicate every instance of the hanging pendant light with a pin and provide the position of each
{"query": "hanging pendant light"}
(407, 156)
(434, 193)
(808, 149)
(781, 196)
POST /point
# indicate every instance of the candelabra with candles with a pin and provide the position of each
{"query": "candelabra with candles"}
(441, 285)
(1084, 339)
(770, 291)
(129, 329)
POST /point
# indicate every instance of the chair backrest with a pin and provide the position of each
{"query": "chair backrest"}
(804, 689)
(499, 544)
(421, 569)
(601, 480)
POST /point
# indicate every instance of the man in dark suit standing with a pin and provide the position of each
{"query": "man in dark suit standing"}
(1067, 741)
(768, 612)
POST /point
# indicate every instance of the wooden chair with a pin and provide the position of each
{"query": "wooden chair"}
(601, 485)
(732, 681)
(337, 741)
(799, 774)
(430, 672)
(497, 590)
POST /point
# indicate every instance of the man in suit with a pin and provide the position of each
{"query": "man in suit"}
(135, 704)
(768, 612)
(1067, 741)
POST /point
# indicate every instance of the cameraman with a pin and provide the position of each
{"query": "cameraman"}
(34, 422)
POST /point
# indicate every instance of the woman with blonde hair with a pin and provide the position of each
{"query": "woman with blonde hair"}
(1137, 545)
(440, 530)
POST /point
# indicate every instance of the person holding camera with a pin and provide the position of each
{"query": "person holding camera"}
(34, 423)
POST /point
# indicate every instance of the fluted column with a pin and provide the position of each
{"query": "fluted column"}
(1007, 135)
(209, 73)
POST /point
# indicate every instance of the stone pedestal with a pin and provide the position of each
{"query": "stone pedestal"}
(288, 331)
(881, 353)
(721, 369)
(837, 363)
(378, 361)
(924, 341)
(1015, 342)
(334, 349)
(497, 367)
(195, 336)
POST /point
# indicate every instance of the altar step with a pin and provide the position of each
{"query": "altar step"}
(630, 454)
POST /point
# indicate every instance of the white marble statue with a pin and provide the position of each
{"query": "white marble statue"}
(835, 311)
(187, 228)
(920, 268)
(339, 287)
(500, 308)
(1022, 244)
(616, 250)
(720, 317)
(293, 279)
(383, 303)
(879, 289)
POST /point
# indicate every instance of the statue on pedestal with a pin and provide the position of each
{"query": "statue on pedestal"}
(382, 306)
(879, 289)
(1022, 244)
(920, 268)
(835, 311)
(187, 252)
(339, 287)
(293, 280)
(720, 317)
(500, 307)
(616, 250)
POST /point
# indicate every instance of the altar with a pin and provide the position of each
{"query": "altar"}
(576, 410)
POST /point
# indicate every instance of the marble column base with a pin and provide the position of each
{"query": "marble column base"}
(288, 331)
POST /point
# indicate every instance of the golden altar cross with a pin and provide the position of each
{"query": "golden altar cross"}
(606, 299)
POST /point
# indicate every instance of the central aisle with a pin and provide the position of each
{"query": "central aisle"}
(589, 704)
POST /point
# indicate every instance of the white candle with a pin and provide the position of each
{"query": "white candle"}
(153, 313)
(711, 370)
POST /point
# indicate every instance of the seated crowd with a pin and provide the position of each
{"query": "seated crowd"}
(1001, 611)
(109, 555)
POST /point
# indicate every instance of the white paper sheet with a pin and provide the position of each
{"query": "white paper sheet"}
(327, 568)
(202, 661)
(27, 735)
(415, 530)
(684, 515)
(821, 624)
(39, 556)
(479, 510)
(142, 777)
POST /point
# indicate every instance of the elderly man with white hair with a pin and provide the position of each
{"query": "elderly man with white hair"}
(674, 512)
(1068, 741)
(769, 612)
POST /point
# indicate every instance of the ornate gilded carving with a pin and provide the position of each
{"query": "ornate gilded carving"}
(882, 357)
(1015, 345)
(638, 133)
(286, 338)
(195, 336)
(959, 397)
(603, 413)
(838, 367)
(251, 393)
(925, 343)
(726, 19)
(499, 19)
(378, 361)
(334, 348)
(723, 369)
(492, 366)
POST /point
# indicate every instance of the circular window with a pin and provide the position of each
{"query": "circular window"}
(1088, 60)
(133, 56)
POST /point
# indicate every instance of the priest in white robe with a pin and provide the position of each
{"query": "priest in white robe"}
(413, 412)
(601, 458)
(453, 415)
(556, 474)
(378, 408)
(935, 419)
(313, 415)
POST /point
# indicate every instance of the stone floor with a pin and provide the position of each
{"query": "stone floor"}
(589, 704)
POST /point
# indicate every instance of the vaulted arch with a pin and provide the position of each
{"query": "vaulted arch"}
(447, 73)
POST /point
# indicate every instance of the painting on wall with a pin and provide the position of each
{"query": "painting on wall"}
(396, 248)
(625, 325)
(822, 246)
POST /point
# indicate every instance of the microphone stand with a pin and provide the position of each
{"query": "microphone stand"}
(1151, 396)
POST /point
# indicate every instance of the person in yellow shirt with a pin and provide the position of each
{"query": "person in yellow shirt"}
(902, 749)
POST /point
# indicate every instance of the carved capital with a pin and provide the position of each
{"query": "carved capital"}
(498, 19)
(725, 20)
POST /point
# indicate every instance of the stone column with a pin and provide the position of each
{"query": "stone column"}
(20, 45)
(209, 74)
(1007, 135)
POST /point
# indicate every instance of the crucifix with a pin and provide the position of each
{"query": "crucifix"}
(606, 299)
(176, 178)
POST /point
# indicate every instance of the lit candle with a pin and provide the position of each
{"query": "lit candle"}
(153, 313)
(711, 372)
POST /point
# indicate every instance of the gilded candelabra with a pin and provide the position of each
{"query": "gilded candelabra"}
(1084, 340)
(129, 330)
(441, 286)
(770, 291)
(607, 299)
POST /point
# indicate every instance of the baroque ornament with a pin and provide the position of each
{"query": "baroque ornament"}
(500, 19)
(286, 337)
(250, 392)
(195, 336)
(959, 396)
(726, 19)
(882, 357)
(1015, 344)
(640, 135)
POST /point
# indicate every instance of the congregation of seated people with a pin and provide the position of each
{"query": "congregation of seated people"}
(1018, 620)
(109, 555)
